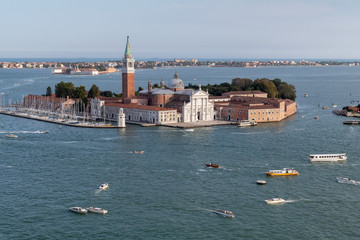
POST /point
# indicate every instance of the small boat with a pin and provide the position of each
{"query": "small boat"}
(283, 172)
(328, 157)
(141, 152)
(246, 123)
(346, 180)
(189, 130)
(224, 213)
(306, 95)
(213, 165)
(97, 210)
(334, 105)
(104, 186)
(274, 200)
(325, 107)
(11, 136)
(78, 210)
(316, 117)
(261, 182)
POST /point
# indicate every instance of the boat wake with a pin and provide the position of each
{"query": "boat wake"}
(25, 132)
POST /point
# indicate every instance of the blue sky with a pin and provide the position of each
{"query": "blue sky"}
(181, 28)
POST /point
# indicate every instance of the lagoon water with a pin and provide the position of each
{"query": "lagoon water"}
(167, 192)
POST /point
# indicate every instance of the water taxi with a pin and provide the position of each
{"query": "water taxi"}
(328, 157)
(78, 210)
(274, 201)
(283, 172)
(213, 165)
(97, 210)
(11, 136)
(224, 213)
(141, 152)
(246, 123)
(346, 180)
(104, 186)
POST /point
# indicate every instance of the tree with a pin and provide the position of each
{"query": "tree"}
(106, 94)
(243, 83)
(94, 91)
(287, 91)
(267, 86)
(63, 89)
(48, 91)
(80, 92)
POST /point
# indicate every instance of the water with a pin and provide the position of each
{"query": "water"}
(167, 192)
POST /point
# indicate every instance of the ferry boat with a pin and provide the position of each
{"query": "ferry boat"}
(246, 123)
(224, 213)
(78, 210)
(283, 172)
(274, 200)
(328, 157)
(346, 180)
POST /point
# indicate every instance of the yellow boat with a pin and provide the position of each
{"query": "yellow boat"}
(283, 172)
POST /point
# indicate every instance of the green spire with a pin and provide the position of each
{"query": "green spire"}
(127, 49)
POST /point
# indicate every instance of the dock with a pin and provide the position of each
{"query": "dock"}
(42, 119)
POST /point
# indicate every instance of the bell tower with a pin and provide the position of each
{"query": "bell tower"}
(128, 73)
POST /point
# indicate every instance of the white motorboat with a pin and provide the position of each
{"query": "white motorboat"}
(78, 210)
(97, 210)
(224, 213)
(246, 123)
(11, 136)
(104, 186)
(274, 200)
(328, 157)
(346, 180)
(261, 182)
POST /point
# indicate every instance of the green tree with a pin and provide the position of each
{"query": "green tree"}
(63, 89)
(267, 86)
(80, 92)
(287, 91)
(243, 83)
(106, 94)
(48, 91)
(94, 91)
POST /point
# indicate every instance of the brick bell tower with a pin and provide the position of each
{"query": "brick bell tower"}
(128, 73)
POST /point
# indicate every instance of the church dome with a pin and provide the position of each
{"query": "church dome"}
(176, 82)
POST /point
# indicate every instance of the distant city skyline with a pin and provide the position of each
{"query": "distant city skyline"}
(228, 29)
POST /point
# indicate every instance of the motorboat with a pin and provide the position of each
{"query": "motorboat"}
(346, 180)
(325, 107)
(283, 172)
(306, 95)
(274, 200)
(261, 182)
(11, 136)
(336, 157)
(140, 152)
(78, 210)
(224, 213)
(104, 186)
(246, 123)
(316, 118)
(97, 210)
(213, 165)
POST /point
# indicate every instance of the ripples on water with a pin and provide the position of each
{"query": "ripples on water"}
(167, 192)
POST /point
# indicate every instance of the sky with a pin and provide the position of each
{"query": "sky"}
(227, 29)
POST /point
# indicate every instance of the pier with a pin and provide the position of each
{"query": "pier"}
(57, 121)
